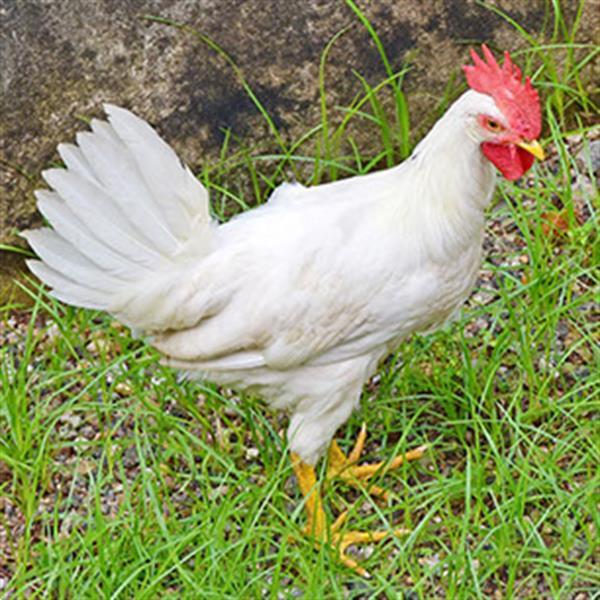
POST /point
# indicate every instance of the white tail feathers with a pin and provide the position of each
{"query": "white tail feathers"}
(127, 217)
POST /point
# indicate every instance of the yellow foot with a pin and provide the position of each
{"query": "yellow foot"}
(344, 467)
(340, 542)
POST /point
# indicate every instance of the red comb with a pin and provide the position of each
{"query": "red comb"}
(517, 101)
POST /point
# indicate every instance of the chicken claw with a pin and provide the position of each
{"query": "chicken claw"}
(344, 467)
(341, 541)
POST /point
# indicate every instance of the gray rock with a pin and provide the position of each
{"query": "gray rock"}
(595, 154)
(589, 155)
(61, 59)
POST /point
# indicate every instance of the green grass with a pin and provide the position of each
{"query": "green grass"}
(117, 480)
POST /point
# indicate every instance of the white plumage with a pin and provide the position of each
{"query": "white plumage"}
(299, 299)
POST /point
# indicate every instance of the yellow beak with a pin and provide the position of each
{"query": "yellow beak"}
(533, 148)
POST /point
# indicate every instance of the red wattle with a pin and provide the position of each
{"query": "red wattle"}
(510, 160)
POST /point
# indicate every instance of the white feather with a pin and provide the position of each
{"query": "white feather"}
(64, 258)
(97, 210)
(116, 172)
(169, 213)
(65, 289)
(76, 162)
(161, 168)
(71, 228)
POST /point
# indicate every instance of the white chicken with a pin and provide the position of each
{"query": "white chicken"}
(301, 298)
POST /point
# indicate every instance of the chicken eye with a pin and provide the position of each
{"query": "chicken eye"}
(493, 126)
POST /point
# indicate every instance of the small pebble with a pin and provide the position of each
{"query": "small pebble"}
(251, 453)
(97, 347)
(123, 389)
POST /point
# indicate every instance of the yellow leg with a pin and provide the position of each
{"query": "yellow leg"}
(316, 521)
(344, 467)
(307, 481)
